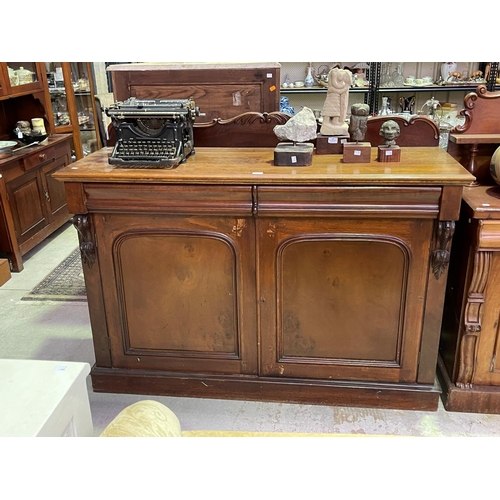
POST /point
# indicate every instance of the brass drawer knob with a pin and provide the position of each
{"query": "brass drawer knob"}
(42, 156)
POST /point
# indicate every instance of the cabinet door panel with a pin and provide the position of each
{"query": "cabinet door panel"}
(56, 193)
(347, 304)
(185, 293)
(26, 195)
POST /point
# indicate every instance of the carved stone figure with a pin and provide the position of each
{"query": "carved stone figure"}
(300, 128)
(389, 131)
(335, 108)
(358, 121)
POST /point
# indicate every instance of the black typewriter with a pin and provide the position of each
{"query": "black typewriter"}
(154, 133)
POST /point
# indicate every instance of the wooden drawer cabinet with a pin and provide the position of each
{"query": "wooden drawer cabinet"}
(220, 90)
(33, 203)
(234, 278)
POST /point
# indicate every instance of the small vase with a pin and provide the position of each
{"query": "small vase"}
(309, 80)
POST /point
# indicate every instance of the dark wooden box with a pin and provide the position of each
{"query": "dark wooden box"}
(330, 144)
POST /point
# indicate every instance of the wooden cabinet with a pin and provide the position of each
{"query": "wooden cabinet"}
(220, 90)
(470, 343)
(231, 278)
(33, 203)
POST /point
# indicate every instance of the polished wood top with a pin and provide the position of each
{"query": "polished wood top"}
(16, 155)
(419, 166)
(484, 201)
(475, 138)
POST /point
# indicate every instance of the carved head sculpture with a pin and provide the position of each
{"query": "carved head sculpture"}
(389, 131)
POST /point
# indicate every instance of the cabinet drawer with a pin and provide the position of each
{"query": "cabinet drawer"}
(40, 157)
(302, 201)
(178, 199)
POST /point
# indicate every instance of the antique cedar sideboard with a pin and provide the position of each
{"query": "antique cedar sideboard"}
(229, 277)
(470, 345)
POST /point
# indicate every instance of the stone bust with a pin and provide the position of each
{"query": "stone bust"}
(389, 131)
(337, 98)
(358, 121)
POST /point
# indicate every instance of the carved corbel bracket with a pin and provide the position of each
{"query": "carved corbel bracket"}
(87, 244)
(441, 254)
(472, 319)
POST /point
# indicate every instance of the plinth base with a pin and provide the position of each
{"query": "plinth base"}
(357, 152)
(389, 154)
(253, 388)
(293, 155)
(477, 399)
(330, 144)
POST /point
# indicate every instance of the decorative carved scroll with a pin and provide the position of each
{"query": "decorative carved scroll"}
(469, 105)
(441, 255)
(247, 118)
(472, 319)
(87, 246)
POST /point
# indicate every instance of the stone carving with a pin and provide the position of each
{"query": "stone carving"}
(300, 128)
(358, 121)
(335, 108)
(390, 131)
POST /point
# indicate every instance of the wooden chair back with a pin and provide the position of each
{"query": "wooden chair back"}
(418, 131)
(481, 112)
(251, 129)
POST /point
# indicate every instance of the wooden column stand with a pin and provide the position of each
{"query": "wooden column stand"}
(389, 153)
(357, 152)
(293, 154)
(330, 144)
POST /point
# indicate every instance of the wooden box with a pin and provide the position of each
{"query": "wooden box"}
(220, 90)
(330, 144)
(357, 153)
(4, 271)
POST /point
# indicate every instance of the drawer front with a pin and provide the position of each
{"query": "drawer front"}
(207, 200)
(40, 158)
(304, 201)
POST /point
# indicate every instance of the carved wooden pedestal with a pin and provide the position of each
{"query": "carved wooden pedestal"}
(229, 277)
(469, 366)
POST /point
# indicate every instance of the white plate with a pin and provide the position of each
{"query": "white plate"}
(7, 144)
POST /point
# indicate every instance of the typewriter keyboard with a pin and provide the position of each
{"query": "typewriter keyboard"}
(139, 153)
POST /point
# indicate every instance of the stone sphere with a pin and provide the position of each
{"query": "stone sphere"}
(495, 166)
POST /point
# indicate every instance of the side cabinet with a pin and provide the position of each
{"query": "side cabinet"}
(264, 292)
(469, 364)
(33, 203)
